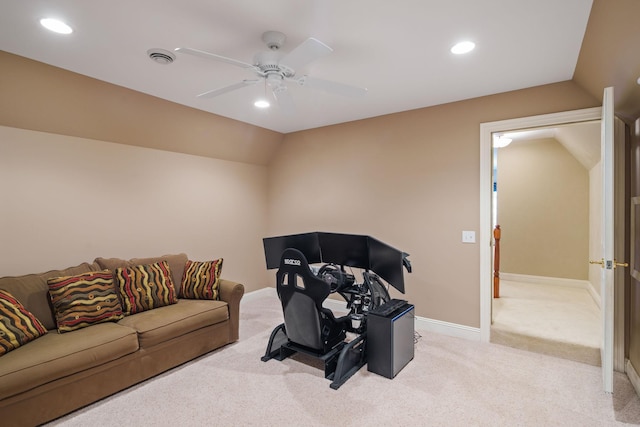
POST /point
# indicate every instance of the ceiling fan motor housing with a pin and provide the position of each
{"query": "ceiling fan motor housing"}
(268, 63)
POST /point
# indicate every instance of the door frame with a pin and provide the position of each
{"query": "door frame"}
(486, 170)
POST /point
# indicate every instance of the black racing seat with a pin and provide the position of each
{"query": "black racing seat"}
(308, 324)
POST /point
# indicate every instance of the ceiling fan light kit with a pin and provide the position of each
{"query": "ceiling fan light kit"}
(276, 69)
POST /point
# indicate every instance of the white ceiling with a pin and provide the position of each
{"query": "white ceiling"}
(398, 50)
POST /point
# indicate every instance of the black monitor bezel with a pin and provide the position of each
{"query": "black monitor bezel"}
(349, 250)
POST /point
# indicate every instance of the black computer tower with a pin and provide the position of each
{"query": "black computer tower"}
(390, 341)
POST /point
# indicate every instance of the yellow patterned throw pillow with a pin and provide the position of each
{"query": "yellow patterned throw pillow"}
(83, 300)
(17, 325)
(201, 280)
(145, 287)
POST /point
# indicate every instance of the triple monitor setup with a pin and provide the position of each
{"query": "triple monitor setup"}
(377, 330)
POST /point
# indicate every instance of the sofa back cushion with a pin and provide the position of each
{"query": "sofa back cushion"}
(176, 265)
(33, 292)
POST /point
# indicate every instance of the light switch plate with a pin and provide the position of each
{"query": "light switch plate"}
(468, 237)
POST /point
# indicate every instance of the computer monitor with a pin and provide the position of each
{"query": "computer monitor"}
(349, 250)
(386, 262)
(307, 243)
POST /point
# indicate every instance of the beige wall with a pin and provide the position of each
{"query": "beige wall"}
(543, 210)
(609, 55)
(41, 97)
(410, 179)
(66, 200)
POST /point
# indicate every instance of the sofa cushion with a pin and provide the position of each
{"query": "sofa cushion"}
(201, 280)
(176, 264)
(32, 290)
(165, 323)
(83, 300)
(55, 355)
(145, 287)
(17, 325)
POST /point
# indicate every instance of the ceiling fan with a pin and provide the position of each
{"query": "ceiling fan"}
(276, 69)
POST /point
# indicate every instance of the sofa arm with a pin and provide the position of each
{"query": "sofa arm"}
(231, 293)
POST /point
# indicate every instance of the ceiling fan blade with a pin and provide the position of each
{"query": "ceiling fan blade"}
(285, 101)
(220, 91)
(209, 55)
(306, 52)
(332, 87)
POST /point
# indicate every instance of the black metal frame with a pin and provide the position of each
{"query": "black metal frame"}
(340, 363)
(341, 357)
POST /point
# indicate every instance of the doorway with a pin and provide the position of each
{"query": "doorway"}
(487, 130)
(614, 326)
(546, 198)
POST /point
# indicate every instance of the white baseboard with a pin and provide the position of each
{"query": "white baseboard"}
(426, 324)
(553, 281)
(447, 328)
(633, 375)
(249, 296)
(421, 323)
(595, 295)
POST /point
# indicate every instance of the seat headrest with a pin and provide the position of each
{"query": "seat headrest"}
(293, 260)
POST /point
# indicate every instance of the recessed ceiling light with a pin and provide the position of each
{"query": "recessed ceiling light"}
(501, 141)
(56, 26)
(262, 103)
(463, 47)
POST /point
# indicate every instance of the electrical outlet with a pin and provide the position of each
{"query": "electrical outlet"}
(468, 237)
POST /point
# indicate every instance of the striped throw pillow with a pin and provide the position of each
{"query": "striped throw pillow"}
(145, 287)
(83, 300)
(201, 280)
(17, 325)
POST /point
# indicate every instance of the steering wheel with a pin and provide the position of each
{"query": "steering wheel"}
(332, 274)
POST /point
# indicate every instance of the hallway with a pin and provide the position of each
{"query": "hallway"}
(560, 321)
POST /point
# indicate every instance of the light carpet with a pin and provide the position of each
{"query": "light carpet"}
(450, 382)
(559, 321)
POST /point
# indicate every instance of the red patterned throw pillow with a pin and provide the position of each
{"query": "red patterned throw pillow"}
(83, 300)
(17, 325)
(201, 280)
(145, 287)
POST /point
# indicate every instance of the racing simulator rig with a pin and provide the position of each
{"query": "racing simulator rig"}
(311, 266)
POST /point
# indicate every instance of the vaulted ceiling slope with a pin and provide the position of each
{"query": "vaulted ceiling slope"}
(399, 52)
(609, 54)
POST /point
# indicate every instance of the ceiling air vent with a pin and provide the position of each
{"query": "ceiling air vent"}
(161, 56)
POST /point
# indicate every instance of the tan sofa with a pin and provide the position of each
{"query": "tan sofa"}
(61, 372)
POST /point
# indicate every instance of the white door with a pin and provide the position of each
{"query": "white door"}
(607, 254)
